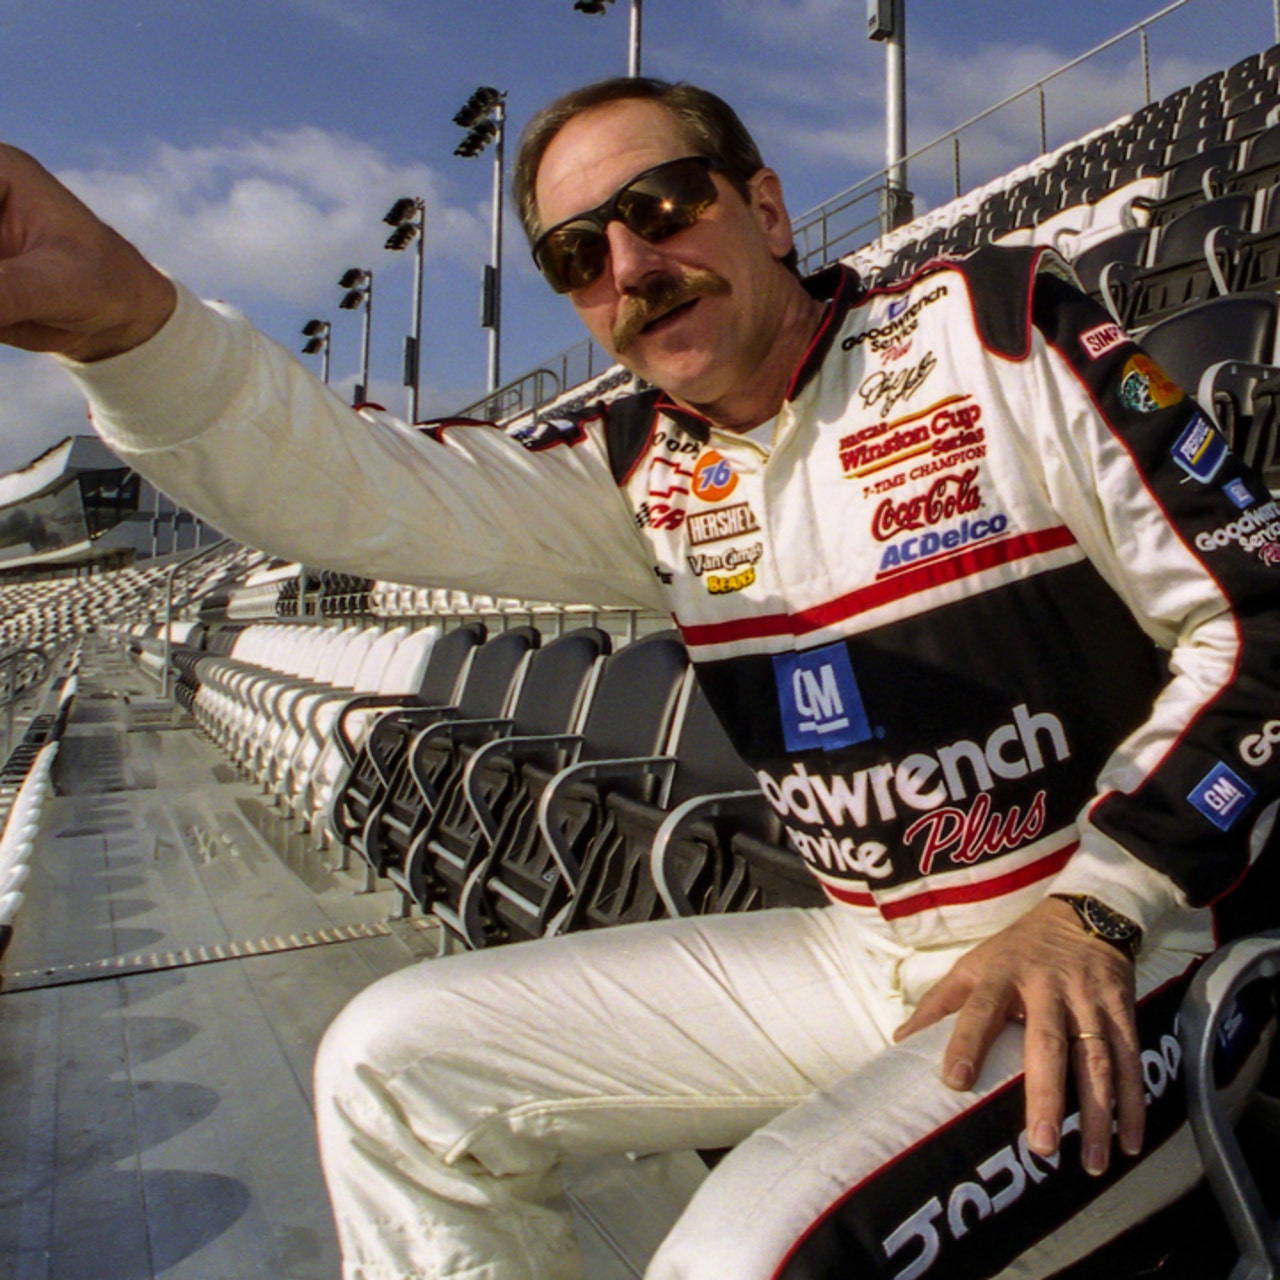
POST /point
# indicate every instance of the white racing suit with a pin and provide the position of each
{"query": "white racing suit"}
(993, 617)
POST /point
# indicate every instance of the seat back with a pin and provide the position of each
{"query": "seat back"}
(408, 664)
(1239, 326)
(635, 698)
(450, 656)
(376, 657)
(1183, 237)
(556, 681)
(708, 761)
(487, 690)
(1124, 246)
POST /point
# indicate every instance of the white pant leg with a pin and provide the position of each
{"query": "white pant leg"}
(891, 1174)
(447, 1093)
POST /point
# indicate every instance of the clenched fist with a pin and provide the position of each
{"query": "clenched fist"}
(68, 283)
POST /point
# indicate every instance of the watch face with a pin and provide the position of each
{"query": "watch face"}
(1110, 924)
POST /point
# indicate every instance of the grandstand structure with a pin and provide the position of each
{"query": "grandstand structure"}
(254, 785)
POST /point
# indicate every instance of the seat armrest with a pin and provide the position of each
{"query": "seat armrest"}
(1222, 252)
(1208, 1003)
(366, 702)
(1116, 281)
(661, 767)
(513, 748)
(718, 804)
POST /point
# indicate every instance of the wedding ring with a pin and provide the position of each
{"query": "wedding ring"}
(1088, 1035)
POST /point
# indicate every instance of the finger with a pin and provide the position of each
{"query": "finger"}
(981, 1018)
(1046, 1054)
(944, 997)
(1092, 1053)
(1131, 1103)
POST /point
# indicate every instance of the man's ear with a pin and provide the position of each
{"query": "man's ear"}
(771, 211)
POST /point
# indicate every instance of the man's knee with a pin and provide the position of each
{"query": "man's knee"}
(370, 1038)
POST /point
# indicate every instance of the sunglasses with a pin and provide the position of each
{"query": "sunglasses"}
(655, 204)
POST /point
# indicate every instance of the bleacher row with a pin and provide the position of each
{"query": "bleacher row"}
(511, 785)
(25, 782)
(1171, 219)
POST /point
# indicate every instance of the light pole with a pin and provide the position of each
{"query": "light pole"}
(358, 284)
(483, 115)
(887, 21)
(407, 219)
(633, 47)
(317, 333)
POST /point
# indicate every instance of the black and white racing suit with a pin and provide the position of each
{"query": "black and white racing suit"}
(991, 611)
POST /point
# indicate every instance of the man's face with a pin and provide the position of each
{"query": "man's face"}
(694, 314)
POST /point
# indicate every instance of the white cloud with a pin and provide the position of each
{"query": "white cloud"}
(39, 407)
(273, 216)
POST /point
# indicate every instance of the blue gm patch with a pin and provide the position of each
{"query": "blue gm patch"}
(1239, 494)
(1200, 450)
(1221, 796)
(819, 700)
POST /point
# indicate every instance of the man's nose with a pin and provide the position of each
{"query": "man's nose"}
(631, 257)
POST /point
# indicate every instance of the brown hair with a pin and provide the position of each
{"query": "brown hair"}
(710, 126)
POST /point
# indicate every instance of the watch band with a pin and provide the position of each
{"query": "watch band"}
(1102, 921)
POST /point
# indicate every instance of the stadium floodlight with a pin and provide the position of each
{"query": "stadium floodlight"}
(483, 115)
(407, 219)
(317, 333)
(478, 106)
(358, 284)
(633, 44)
(887, 22)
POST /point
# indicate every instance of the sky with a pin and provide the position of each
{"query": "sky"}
(251, 147)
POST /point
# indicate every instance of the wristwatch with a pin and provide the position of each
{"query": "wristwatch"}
(1102, 921)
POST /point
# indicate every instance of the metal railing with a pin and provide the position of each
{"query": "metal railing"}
(19, 670)
(856, 216)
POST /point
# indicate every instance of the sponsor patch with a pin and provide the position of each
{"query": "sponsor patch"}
(713, 478)
(819, 699)
(948, 497)
(1256, 530)
(720, 585)
(667, 478)
(727, 522)
(892, 339)
(907, 553)
(1200, 450)
(947, 428)
(1146, 388)
(1105, 337)
(1221, 796)
(548, 433)
(658, 515)
(734, 558)
(1239, 493)
(1257, 748)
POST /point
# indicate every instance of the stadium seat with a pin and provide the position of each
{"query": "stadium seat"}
(1178, 272)
(364, 782)
(672, 853)
(416, 754)
(553, 702)
(523, 885)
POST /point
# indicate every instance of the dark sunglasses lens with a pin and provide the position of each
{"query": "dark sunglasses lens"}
(572, 257)
(669, 200)
(653, 206)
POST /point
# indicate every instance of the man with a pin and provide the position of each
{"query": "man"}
(919, 544)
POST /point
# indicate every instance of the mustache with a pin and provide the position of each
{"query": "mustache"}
(654, 298)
